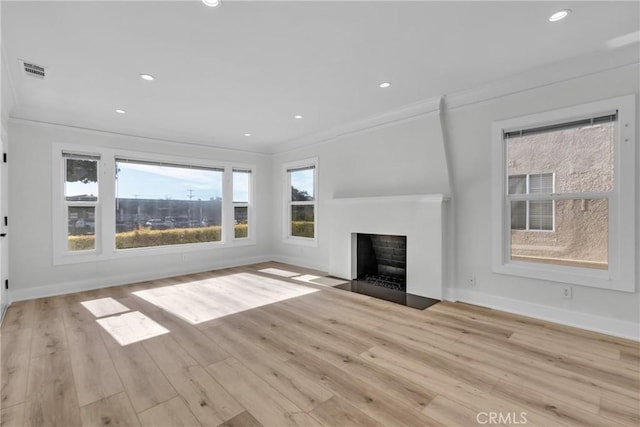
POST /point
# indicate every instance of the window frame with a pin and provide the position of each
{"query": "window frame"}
(105, 222)
(66, 204)
(288, 203)
(249, 205)
(621, 272)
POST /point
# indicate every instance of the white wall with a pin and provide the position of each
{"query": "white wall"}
(469, 132)
(401, 159)
(30, 175)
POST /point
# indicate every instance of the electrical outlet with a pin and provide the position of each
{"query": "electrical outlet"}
(567, 292)
(471, 280)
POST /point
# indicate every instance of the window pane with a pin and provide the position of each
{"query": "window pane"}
(518, 184)
(541, 183)
(81, 228)
(519, 215)
(302, 220)
(581, 157)
(81, 180)
(302, 185)
(541, 215)
(158, 205)
(580, 237)
(241, 186)
(241, 222)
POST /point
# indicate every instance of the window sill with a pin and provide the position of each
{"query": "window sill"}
(301, 241)
(77, 258)
(590, 277)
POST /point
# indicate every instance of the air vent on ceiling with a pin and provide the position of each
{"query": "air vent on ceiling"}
(33, 70)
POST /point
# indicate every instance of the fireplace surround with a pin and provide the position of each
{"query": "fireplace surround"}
(418, 217)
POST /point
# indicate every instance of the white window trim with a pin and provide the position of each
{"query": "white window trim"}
(105, 227)
(60, 220)
(288, 238)
(251, 222)
(622, 208)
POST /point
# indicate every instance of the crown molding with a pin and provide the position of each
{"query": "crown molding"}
(568, 69)
(165, 141)
(557, 72)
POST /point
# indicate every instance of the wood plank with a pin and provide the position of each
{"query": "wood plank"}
(19, 315)
(337, 412)
(630, 356)
(115, 410)
(369, 328)
(143, 381)
(51, 394)
(612, 409)
(555, 409)
(241, 325)
(172, 413)
(285, 328)
(48, 331)
(578, 351)
(602, 376)
(398, 387)
(492, 357)
(93, 370)
(198, 345)
(539, 326)
(267, 405)
(206, 398)
(73, 313)
(451, 413)
(15, 349)
(370, 400)
(245, 419)
(12, 416)
(304, 392)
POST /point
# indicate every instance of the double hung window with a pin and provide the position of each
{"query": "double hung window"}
(81, 200)
(564, 190)
(301, 201)
(241, 199)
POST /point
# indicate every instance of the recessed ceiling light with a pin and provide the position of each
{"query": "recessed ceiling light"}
(147, 77)
(211, 3)
(298, 116)
(247, 134)
(559, 15)
(121, 111)
(384, 85)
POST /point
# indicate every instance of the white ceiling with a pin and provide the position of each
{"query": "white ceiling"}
(251, 66)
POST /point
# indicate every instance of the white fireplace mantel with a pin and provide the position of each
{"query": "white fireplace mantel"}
(419, 217)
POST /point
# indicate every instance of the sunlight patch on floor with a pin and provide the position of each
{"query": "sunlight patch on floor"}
(131, 327)
(320, 280)
(104, 307)
(209, 299)
(279, 272)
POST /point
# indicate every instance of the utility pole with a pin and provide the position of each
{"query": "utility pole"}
(190, 194)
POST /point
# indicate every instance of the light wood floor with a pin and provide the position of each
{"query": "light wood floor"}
(326, 358)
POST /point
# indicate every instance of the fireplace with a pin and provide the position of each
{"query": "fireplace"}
(419, 217)
(382, 260)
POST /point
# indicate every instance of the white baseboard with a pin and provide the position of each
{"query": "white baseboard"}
(300, 262)
(590, 322)
(108, 281)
